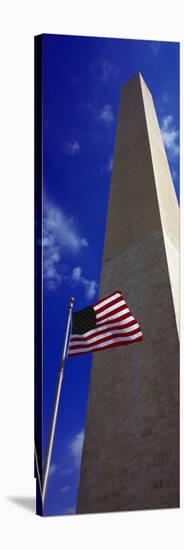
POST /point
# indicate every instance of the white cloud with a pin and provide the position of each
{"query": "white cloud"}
(70, 510)
(76, 274)
(89, 286)
(170, 135)
(71, 148)
(107, 70)
(66, 471)
(109, 164)
(106, 114)
(65, 489)
(165, 98)
(59, 235)
(58, 226)
(84, 242)
(155, 47)
(104, 70)
(75, 448)
(52, 469)
(174, 174)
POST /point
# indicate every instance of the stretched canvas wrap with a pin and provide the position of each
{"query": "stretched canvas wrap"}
(106, 274)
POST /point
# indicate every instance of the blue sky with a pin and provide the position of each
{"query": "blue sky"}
(82, 80)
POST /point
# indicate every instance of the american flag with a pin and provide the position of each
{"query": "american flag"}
(106, 324)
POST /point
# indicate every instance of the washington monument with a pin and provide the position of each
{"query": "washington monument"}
(130, 457)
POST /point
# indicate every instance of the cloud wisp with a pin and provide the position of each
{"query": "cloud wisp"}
(170, 136)
(70, 510)
(89, 286)
(59, 236)
(65, 489)
(52, 469)
(110, 164)
(106, 114)
(75, 448)
(155, 47)
(71, 148)
(165, 99)
(107, 70)
(104, 71)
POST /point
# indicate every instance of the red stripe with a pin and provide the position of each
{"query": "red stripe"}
(123, 317)
(103, 308)
(104, 330)
(106, 297)
(108, 346)
(101, 340)
(111, 313)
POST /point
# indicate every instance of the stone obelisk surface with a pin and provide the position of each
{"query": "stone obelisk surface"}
(130, 457)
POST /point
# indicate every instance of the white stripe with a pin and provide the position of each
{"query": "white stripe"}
(109, 328)
(115, 316)
(107, 343)
(104, 335)
(111, 308)
(106, 301)
(113, 325)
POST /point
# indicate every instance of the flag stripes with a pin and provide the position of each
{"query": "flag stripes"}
(118, 306)
(99, 332)
(102, 337)
(119, 315)
(107, 300)
(104, 345)
(113, 325)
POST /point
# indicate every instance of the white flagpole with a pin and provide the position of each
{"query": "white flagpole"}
(56, 405)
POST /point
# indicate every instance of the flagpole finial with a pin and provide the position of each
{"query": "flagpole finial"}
(72, 299)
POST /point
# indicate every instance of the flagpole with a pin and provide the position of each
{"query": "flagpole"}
(38, 469)
(56, 405)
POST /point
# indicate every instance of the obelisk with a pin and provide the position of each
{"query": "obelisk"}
(130, 457)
